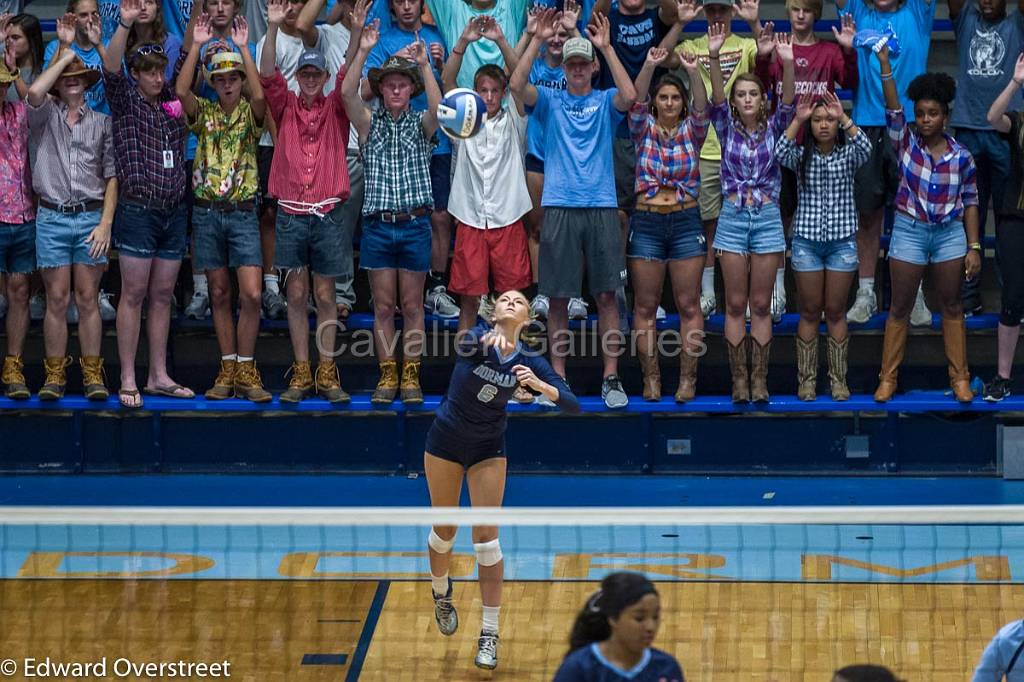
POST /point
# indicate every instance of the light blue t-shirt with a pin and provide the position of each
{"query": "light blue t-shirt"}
(96, 97)
(912, 23)
(452, 16)
(176, 14)
(543, 76)
(987, 52)
(391, 41)
(577, 135)
(998, 654)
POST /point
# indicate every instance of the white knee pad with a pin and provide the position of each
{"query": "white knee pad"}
(438, 545)
(487, 553)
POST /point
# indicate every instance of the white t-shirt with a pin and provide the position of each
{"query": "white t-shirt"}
(489, 180)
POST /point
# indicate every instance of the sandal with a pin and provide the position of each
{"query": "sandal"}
(172, 391)
(130, 395)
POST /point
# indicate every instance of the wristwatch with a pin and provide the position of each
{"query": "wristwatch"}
(975, 246)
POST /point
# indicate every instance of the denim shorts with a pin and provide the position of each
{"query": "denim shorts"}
(920, 243)
(750, 229)
(308, 241)
(395, 246)
(534, 164)
(18, 247)
(666, 236)
(225, 239)
(837, 255)
(60, 238)
(149, 232)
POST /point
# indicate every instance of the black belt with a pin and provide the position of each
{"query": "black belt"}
(393, 217)
(148, 203)
(225, 206)
(67, 209)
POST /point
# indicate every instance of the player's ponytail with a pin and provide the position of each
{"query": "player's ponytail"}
(618, 592)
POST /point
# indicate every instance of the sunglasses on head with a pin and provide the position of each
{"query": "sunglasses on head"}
(150, 48)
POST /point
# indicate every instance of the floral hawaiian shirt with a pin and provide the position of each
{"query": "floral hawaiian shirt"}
(225, 165)
(17, 205)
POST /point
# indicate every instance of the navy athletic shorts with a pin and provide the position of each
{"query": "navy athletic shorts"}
(461, 450)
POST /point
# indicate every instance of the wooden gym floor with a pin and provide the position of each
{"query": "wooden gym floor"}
(383, 630)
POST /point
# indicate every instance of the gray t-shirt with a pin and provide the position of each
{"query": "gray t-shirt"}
(988, 52)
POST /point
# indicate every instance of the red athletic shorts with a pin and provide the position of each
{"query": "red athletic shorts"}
(497, 255)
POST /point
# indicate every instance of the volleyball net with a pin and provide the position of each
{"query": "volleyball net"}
(308, 593)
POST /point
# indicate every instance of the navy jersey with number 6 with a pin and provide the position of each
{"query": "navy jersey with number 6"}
(587, 664)
(482, 383)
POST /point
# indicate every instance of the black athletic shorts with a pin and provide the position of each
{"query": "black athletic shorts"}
(461, 450)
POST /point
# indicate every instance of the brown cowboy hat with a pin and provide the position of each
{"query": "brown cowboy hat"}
(401, 65)
(78, 68)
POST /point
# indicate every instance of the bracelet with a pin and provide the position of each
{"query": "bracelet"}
(886, 75)
(458, 53)
(847, 126)
(887, 78)
(975, 245)
(123, 25)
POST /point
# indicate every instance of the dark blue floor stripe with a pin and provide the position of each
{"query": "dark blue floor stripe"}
(366, 635)
(324, 659)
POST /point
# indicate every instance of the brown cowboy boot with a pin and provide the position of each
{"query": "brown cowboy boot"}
(13, 378)
(387, 385)
(807, 368)
(740, 371)
(892, 355)
(301, 385)
(93, 384)
(838, 352)
(759, 370)
(954, 338)
(412, 394)
(328, 382)
(56, 378)
(648, 356)
(687, 377)
(224, 384)
(248, 385)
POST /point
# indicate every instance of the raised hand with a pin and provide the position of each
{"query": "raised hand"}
(600, 31)
(1018, 70)
(130, 11)
(495, 339)
(473, 31)
(766, 40)
(533, 18)
(359, 13)
(845, 36)
(5, 24)
(491, 30)
(276, 10)
(784, 47)
(240, 32)
(804, 107)
(202, 32)
(747, 10)
(656, 55)
(690, 62)
(370, 35)
(526, 377)
(67, 28)
(10, 61)
(437, 54)
(687, 11)
(93, 31)
(547, 23)
(832, 105)
(570, 15)
(716, 39)
(418, 52)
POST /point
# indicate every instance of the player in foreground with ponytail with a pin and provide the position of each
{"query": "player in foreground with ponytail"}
(467, 439)
(611, 638)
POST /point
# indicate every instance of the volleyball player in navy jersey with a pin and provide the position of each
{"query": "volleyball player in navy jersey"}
(612, 636)
(467, 439)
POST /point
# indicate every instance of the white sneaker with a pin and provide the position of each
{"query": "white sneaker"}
(577, 309)
(3, 305)
(37, 307)
(708, 303)
(661, 314)
(487, 651)
(540, 306)
(445, 615)
(864, 306)
(778, 303)
(72, 312)
(199, 307)
(440, 303)
(920, 316)
(108, 313)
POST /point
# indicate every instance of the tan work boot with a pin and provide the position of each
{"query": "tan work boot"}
(301, 385)
(56, 378)
(838, 352)
(807, 368)
(892, 355)
(738, 368)
(387, 386)
(687, 377)
(648, 357)
(412, 394)
(224, 384)
(759, 370)
(13, 378)
(93, 384)
(954, 338)
(328, 382)
(248, 385)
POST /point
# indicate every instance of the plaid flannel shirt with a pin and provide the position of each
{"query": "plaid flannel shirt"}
(748, 160)
(933, 191)
(825, 209)
(667, 162)
(396, 163)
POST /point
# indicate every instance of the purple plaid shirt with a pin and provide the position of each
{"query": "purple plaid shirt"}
(667, 162)
(931, 191)
(748, 159)
(142, 134)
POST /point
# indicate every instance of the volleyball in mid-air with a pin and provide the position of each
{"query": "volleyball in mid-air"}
(461, 113)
